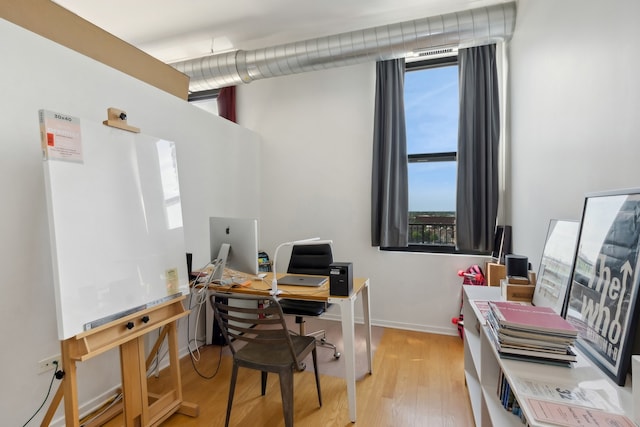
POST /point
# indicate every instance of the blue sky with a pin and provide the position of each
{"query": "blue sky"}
(431, 110)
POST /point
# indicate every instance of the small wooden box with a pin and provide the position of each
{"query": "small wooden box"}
(495, 273)
(518, 292)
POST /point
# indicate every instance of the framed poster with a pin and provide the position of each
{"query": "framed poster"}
(604, 282)
(554, 273)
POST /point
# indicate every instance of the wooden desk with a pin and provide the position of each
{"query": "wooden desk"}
(347, 308)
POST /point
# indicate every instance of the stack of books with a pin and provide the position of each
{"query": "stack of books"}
(508, 398)
(531, 333)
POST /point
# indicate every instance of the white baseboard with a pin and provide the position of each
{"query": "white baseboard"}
(398, 325)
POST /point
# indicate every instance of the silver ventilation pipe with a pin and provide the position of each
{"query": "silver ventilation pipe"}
(467, 28)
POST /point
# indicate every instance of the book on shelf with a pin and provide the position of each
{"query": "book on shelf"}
(570, 393)
(540, 353)
(562, 414)
(548, 348)
(481, 308)
(534, 359)
(531, 318)
(535, 341)
(527, 335)
(567, 355)
(508, 398)
(534, 347)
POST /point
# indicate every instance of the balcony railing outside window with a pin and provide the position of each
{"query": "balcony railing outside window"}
(432, 230)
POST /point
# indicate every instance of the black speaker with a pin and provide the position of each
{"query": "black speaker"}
(517, 265)
(341, 279)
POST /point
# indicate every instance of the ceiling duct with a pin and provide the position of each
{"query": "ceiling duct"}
(462, 29)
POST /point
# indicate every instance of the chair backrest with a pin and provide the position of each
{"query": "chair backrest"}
(311, 259)
(260, 322)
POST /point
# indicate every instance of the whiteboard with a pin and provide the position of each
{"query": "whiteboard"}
(115, 223)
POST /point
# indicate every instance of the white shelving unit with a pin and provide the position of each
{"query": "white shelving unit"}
(482, 367)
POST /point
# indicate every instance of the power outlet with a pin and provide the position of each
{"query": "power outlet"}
(49, 363)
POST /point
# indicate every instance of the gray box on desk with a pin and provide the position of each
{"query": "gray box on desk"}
(341, 279)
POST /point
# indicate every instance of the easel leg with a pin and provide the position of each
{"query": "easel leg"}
(186, 408)
(174, 360)
(134, 383)
(70, 387)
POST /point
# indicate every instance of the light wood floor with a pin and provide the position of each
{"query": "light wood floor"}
(417, 380)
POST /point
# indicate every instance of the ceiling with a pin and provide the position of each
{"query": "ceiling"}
(175, 30)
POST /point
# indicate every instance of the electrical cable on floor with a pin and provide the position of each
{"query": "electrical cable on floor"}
(53, 377)
(208, 377)
(200, 302)
(101, 410)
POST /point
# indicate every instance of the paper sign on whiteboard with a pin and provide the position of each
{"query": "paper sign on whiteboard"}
(61, 136)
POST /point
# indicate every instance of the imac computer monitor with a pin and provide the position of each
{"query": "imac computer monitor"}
(241, 234)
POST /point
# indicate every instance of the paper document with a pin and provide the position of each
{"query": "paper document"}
(575, 416)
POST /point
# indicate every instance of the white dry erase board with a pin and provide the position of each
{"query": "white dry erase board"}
(115, 221)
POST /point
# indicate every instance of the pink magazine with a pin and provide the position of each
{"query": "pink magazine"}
(531, 318)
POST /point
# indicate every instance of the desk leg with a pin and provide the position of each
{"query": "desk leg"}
(367, 324)
(349, 351)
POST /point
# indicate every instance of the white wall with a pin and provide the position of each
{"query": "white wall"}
(218, 166)
(575, 108)
(317, 131)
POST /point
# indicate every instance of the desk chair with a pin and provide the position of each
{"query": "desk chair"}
(310, 259)
(264, 344)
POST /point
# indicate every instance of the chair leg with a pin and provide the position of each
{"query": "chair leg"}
(321, 340)
(315, 370)
(324, 343)
(321, 337)
(232, 389)
(264, 382)
(286, 390)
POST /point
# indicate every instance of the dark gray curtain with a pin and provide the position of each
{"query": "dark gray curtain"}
(478, 135)
(389, 180)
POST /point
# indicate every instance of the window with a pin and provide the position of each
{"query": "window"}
(431, 111)
(206, 100)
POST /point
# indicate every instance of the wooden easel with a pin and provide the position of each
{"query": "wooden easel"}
(140, 408)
